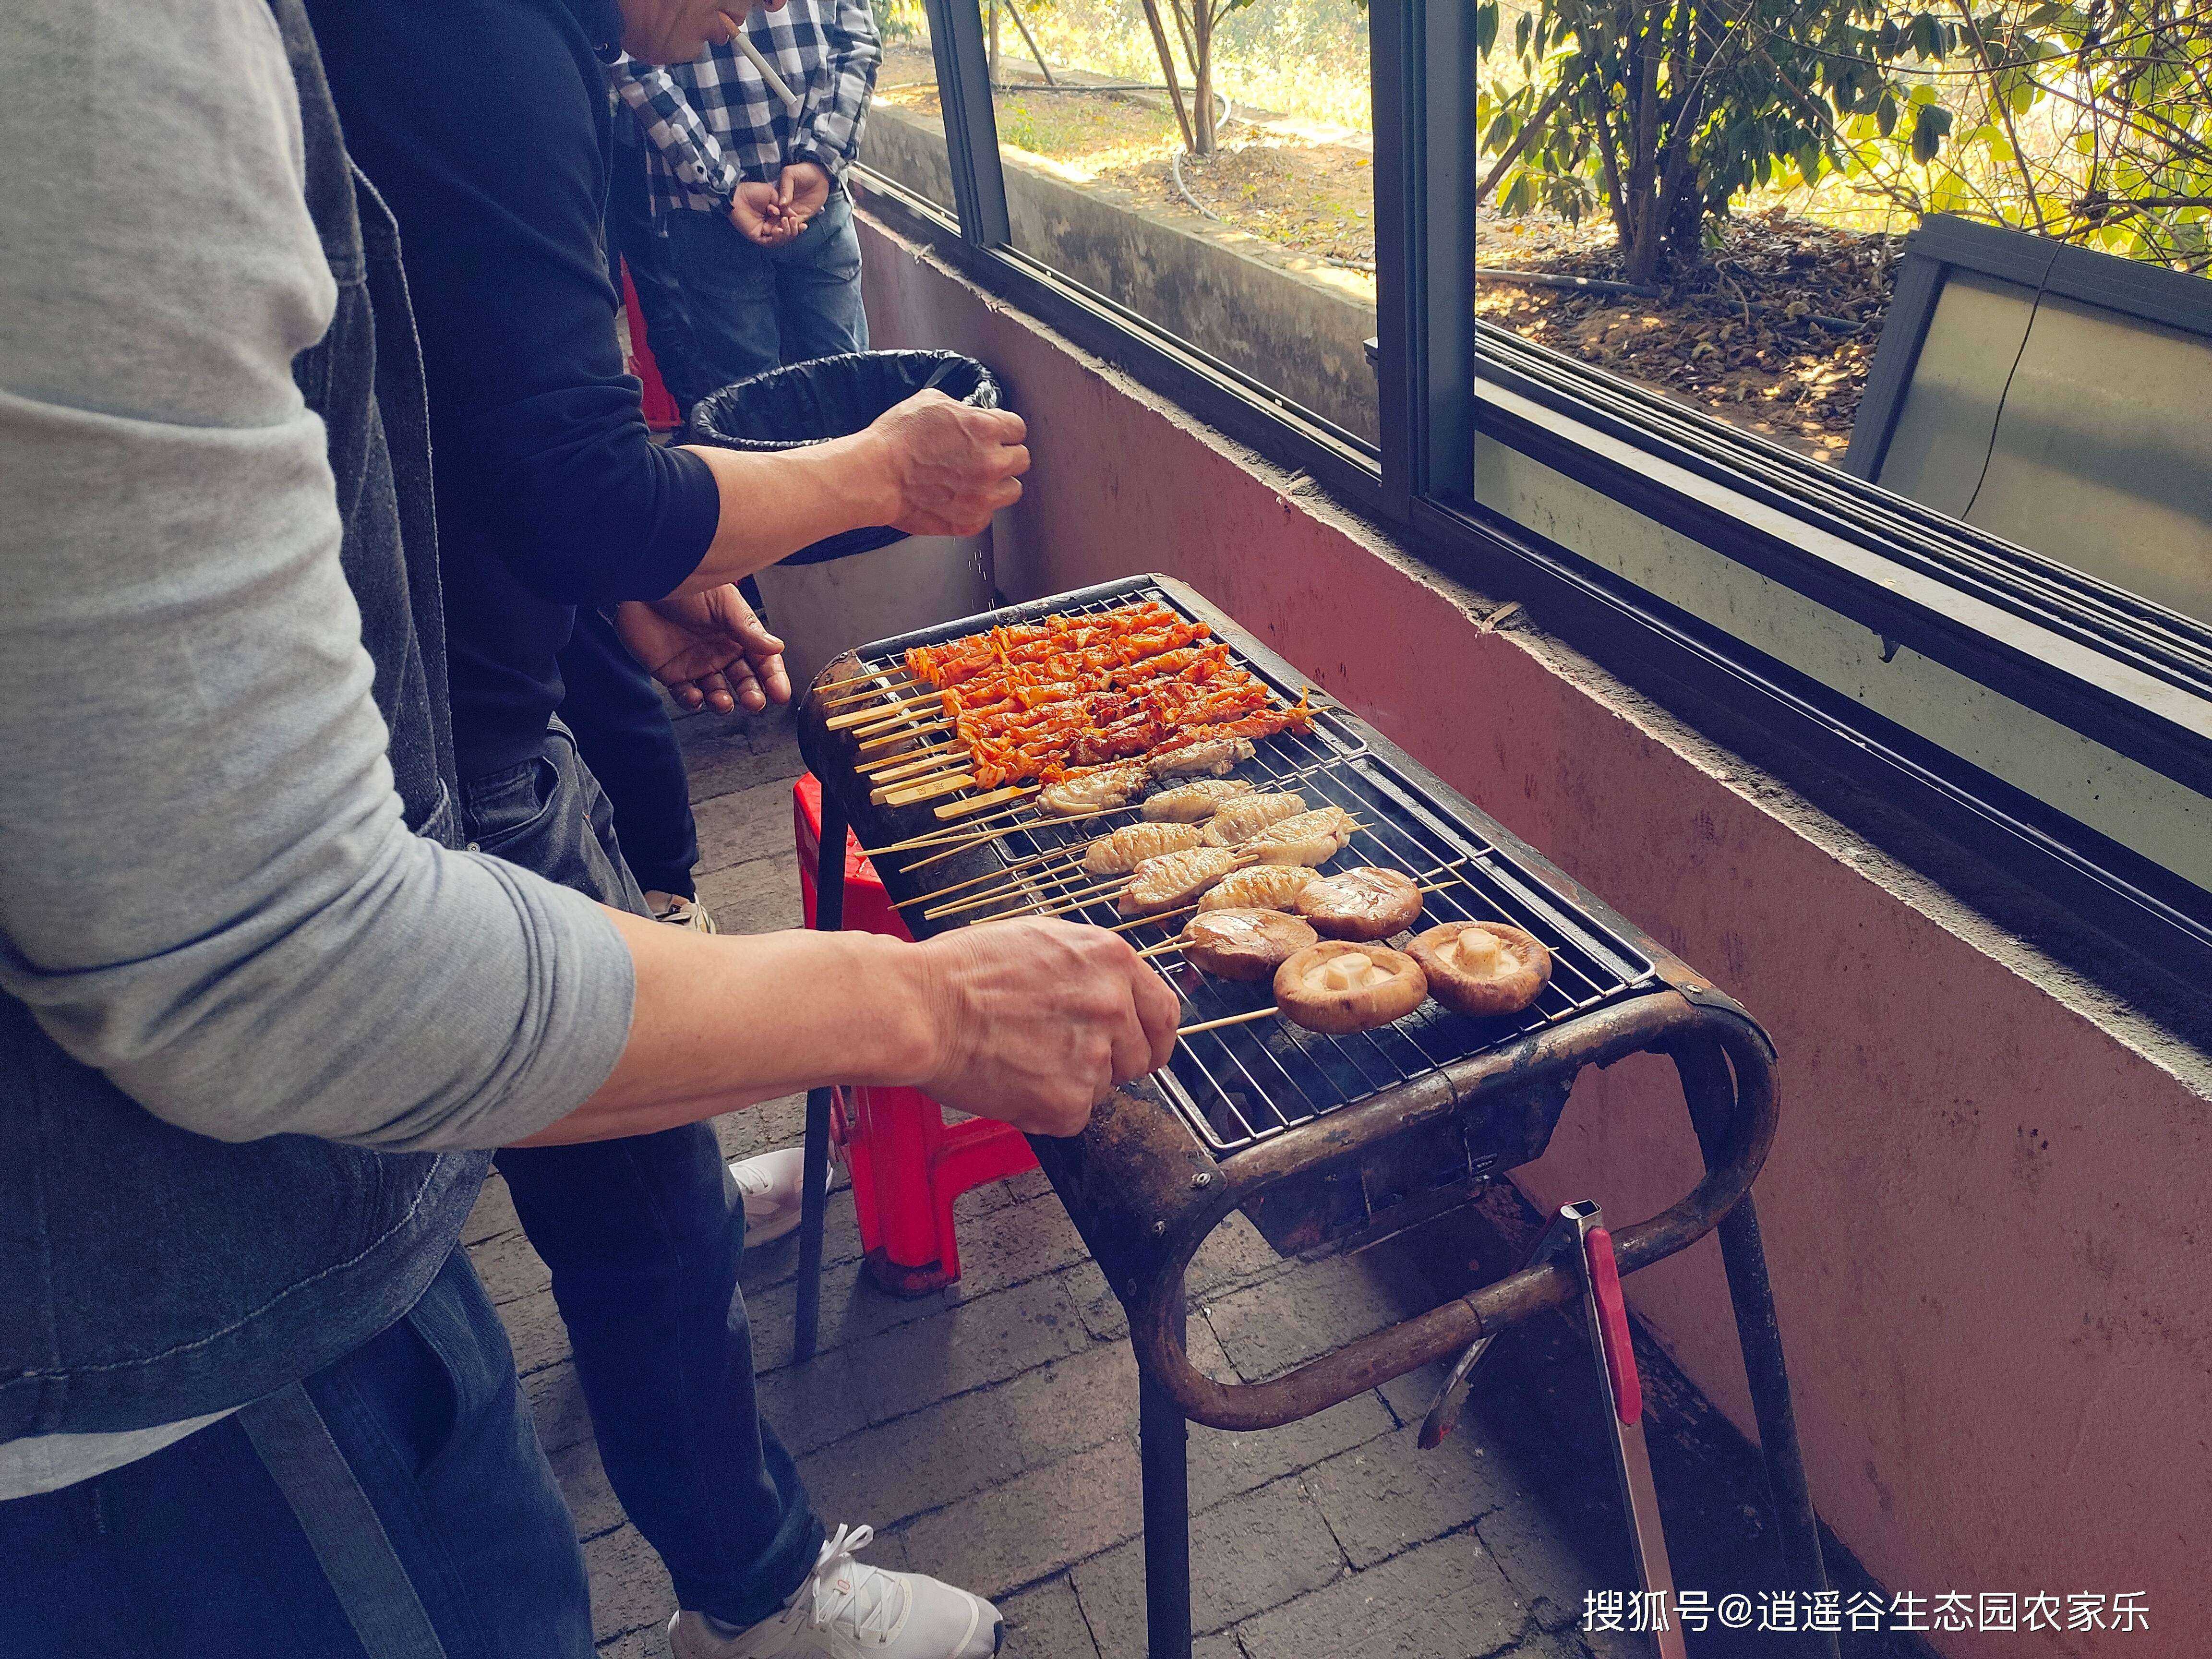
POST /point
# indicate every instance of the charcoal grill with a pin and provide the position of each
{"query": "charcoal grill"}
(1321, 1140)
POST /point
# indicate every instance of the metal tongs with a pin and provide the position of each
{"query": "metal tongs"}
(1579, 1229)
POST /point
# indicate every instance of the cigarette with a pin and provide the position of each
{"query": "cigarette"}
(775, 82)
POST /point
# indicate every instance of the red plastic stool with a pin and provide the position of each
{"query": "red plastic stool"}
(908, 1162)
(661, 414)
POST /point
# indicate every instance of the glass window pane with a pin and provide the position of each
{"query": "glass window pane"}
(904, 139)
(1249, 237)
(1929, 166)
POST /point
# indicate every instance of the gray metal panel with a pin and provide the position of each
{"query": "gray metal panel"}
(2098, 445)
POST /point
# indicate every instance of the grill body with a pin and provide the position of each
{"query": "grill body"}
(1319, 1139)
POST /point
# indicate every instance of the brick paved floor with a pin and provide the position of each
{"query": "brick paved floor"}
(988, 1433)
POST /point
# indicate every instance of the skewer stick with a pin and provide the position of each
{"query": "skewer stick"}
(966, 833)
(966, 838)
(863, 716)
(1077, 898)
(849, 698)
(1023, 877)
(916, 731)
(864, 676)
(1161, 918)
(1161, 948)
(1017, 890)
(912, 794)
(988, 875)
(1232, 1019)
(960, 809)
(900, 768)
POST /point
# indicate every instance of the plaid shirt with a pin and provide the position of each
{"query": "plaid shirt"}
(714, 124)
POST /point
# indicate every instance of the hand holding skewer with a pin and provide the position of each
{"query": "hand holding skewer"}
(1037, 1021)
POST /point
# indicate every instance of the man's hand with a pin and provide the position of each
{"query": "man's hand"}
(707, 649)
(946, 468)
(758, 212)
(1036, 1020)
(803, 191)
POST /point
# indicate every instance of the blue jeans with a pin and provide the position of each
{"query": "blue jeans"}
(645, 1236)
(755, 309)
(394, 1506)
(623, 730)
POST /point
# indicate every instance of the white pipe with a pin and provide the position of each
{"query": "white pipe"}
(775, 82)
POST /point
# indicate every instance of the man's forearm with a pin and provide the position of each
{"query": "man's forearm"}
(776, 502)
(724, 1022)
(928, 465)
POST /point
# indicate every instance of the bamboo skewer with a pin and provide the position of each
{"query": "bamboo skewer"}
(938, 837)
(877, 714)
(1228, 1019)
(1018, 891)
(866, 674)
(890, 737)
(967, 839)
(988, 875)
(960, 809)
(922, 789)
(1019, 884)
(883, 725)
(900, 769)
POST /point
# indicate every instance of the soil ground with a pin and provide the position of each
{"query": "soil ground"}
(1774, 333)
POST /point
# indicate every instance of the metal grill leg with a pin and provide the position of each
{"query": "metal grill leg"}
(1164, 1449)
(1711, 1090)
(829, 917)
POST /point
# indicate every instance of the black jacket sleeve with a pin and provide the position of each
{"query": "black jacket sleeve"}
(485, 123)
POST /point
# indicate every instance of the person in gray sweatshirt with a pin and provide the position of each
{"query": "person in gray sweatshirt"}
(261, 1014)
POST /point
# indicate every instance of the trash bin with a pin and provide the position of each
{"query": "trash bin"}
(864, 583)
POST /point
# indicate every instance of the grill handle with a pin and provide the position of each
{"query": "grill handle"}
(1750, 1118)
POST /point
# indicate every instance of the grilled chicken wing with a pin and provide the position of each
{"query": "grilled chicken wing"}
(1211, 757)
(1194, 803)
(1172, 881)
(1310, 838)
(1261, 887)
(1094, 791)
(1133, 843)
(1239, 820)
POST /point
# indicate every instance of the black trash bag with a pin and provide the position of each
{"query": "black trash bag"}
(833, 398)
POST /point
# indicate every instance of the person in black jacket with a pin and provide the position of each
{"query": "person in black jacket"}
(486, 125)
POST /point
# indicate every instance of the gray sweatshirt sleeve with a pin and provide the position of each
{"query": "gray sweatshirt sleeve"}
(206, 890)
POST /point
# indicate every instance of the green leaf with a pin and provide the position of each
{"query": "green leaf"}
(1928, 131)
(1885, 115)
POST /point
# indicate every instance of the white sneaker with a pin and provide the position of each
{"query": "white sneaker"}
(773, 1185)
(848, 1610)
(680, 912)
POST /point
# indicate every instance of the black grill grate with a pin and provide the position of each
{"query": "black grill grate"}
(1239, 1085)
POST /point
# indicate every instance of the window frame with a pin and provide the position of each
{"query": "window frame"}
(1979, 605)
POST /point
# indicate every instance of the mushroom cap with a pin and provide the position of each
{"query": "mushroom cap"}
(1340, 988)
(1498, 973)
(1366, 904)
(1243, 945)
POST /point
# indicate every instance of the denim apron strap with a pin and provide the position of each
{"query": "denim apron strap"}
(342, 1526)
